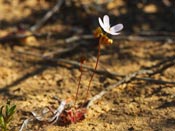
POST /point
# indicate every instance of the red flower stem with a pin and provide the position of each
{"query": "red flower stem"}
(76, 96)
(98, 56)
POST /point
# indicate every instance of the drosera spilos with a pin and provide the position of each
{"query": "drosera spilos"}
(76, 114)
(68, 113)
(103, 40)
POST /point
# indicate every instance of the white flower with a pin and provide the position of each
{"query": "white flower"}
(105, 24)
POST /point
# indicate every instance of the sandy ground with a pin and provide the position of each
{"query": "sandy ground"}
(32, 83)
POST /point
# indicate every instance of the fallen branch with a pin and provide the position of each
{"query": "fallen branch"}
(155, 81)
(155, 69)
(47, 16)
(14, 37)
(158, 68)
(75, 38)
(70, 62)
(169, 39)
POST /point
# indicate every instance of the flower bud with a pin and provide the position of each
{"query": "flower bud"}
(105, 40)
(97, 32)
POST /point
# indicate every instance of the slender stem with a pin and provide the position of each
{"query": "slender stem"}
(98, 56)
(76, 96)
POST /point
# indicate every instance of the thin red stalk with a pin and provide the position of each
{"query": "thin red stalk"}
(98, 56)
(76, 96)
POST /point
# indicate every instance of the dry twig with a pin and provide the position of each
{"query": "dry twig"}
(70, 62)
(158, 68)
(47, 16)
(137, 37)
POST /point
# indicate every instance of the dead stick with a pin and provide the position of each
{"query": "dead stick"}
(130, 77)
(154, 81)
(70, 62)
(47, 16)
(157, 68)
(86, 37)
(126, 79)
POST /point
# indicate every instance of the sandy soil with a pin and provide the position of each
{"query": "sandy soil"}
(32, 83)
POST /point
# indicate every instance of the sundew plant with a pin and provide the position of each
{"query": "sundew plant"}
(77, 113)
(103, 38)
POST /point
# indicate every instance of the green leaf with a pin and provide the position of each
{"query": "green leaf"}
(7, 110)
(2, 122)
(12, 110)
(6, 115)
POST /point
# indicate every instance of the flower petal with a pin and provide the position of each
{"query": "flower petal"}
(101, 23)
(116, 28)
(106, 21)
(114, 33)
(107, 30)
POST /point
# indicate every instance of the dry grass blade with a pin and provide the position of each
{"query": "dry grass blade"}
(24, 125)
